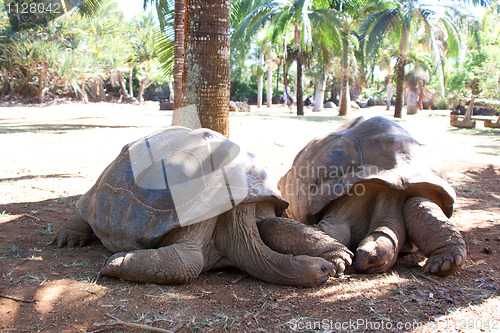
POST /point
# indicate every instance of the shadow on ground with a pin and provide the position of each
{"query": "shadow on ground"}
(52, 128)
(54, 289)
(482, 190)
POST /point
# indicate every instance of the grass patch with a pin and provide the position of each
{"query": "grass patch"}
(217, 321)
(13, 252)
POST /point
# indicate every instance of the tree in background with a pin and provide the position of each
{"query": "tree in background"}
(144, 46)
(397, 16)
(350, 13)
(78, 56)
(206, 81)
(300, 15)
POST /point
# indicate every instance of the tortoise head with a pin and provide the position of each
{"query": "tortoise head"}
(375, 254)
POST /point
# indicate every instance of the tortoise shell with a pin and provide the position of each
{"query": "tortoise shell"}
(362, 151)
(167, 180)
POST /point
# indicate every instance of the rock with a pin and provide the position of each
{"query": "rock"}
(233, 106)
(243, 106)
(486, 250)
(490, 287)
(329, 105)
(354, 105)
(166, 106)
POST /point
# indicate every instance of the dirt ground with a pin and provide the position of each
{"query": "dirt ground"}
(52, 155)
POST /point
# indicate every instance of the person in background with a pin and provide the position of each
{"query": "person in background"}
(309, 101)
(287, 95)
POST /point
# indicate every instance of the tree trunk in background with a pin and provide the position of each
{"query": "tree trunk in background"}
(178, 59)
(130, 76)
(269, 95)
(404, 49)
(205, 80)
(388, 88)
(260, 83)
(388, 100)
(319, 95)
(299, 91)
(400, 87)
(345, 97)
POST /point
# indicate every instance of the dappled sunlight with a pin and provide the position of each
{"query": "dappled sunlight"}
(9, 310)
(474, 318)
(48, 294)
(45, 174)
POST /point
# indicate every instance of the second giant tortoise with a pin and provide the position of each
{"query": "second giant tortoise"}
(182, 201)
(373, 187)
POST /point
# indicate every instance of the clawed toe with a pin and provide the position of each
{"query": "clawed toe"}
(445, 262)
(340, 259)
(69, 239)
(113, 265)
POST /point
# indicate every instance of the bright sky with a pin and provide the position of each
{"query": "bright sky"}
(131, 7)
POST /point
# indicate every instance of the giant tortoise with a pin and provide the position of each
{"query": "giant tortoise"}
(374, 188)
(182, 201)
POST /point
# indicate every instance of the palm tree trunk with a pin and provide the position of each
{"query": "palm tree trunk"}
(145, 83)
(299, 91)
(43, 83)
(345, 97)
(130, 76)
(178, 52)
(260, 83)
(400, 87)
(278, 83)
(319, 95)
(404, 49)
(388, 100)
(178, 59)
(206, 68)
(269, 94)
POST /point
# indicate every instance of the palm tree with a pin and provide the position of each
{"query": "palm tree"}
(397, 16)
(178, 52)
(326, 49)
(301, 15)
(347, 10)
(272, 64)
(144, 45)
(206, 82)
(259, 71)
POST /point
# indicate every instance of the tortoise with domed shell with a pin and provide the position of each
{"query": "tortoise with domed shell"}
(374, 188)
(181, 201)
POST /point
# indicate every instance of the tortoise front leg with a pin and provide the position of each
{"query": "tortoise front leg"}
(428, 227)
(74, 231)
(378, 251)
(238, 239)
(289, 236)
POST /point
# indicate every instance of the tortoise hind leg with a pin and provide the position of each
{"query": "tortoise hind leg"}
(428, 227)
(181, 257)
(289, 236)
(173, 264)
(74, 231)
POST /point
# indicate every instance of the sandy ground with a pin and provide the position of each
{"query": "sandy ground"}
(52, 155)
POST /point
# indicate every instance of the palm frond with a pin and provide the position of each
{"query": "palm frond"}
(376, 26)
(165, 50)
(88, 8)
(435, 53)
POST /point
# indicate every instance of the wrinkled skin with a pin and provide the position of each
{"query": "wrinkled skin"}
(380, 194)
(228, 240)
(132, 210)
